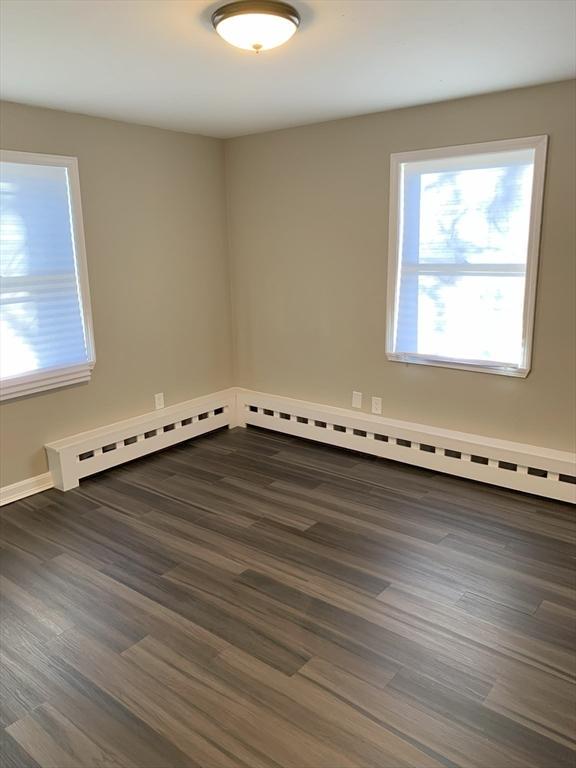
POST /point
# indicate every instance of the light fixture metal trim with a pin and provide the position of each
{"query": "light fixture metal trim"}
(272, 7)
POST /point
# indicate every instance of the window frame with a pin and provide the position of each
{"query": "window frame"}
(59, 376)
(539, 144)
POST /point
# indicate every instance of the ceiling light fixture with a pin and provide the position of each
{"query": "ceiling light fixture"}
(256, 26)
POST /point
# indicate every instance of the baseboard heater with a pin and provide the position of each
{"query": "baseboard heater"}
(85, 454)
(522, 467)
(518, 466)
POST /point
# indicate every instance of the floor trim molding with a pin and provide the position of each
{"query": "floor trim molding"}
(24, 488)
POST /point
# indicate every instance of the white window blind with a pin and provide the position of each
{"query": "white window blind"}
(45, 326)
(464, 236)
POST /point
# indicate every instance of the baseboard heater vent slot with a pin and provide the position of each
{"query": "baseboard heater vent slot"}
(511, 465)
(85, 454)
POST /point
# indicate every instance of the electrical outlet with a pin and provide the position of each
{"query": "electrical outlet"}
(159, 400)
(356, 399)
(377, 405)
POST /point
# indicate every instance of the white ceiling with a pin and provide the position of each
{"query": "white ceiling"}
(158, 62)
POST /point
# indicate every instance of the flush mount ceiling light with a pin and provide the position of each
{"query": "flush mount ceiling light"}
(256, 26)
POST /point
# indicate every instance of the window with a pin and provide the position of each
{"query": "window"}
(45, 325)
(464, 237)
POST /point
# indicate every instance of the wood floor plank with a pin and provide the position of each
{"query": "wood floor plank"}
(537, 702)
(160, 707)
(255, 735)
(42, 747)
(342, 724)
(530, 744)
(253, 600)
(111, 724)
(13, 756)
(440, 735)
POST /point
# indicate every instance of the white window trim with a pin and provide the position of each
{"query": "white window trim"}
(61, 376)
(539, 145)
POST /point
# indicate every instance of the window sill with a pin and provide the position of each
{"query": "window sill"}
(41, 381)
(475, 366)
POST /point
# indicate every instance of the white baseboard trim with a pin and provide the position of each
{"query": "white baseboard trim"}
(518, 466)
(32, 485)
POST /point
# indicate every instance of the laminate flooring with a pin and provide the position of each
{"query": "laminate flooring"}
(252, 600)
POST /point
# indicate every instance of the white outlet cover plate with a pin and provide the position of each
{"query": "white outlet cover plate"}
(377, 405)
(356, 399)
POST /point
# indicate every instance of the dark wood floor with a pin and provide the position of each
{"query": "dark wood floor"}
(251, 600)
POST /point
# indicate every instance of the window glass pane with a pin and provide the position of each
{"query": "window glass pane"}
(41, 323)
(475, 215)
(470, 318)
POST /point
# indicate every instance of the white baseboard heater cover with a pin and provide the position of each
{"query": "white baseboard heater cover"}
(518, 466)
(85, 454)
(522, 467)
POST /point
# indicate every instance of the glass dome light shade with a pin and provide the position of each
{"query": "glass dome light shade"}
(256, 26)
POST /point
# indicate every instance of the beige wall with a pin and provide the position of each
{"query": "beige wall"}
(308, 218)
(153, 204)
(307, 233)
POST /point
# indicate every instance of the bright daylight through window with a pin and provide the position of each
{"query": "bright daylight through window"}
(464, 237)
(45, 327)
